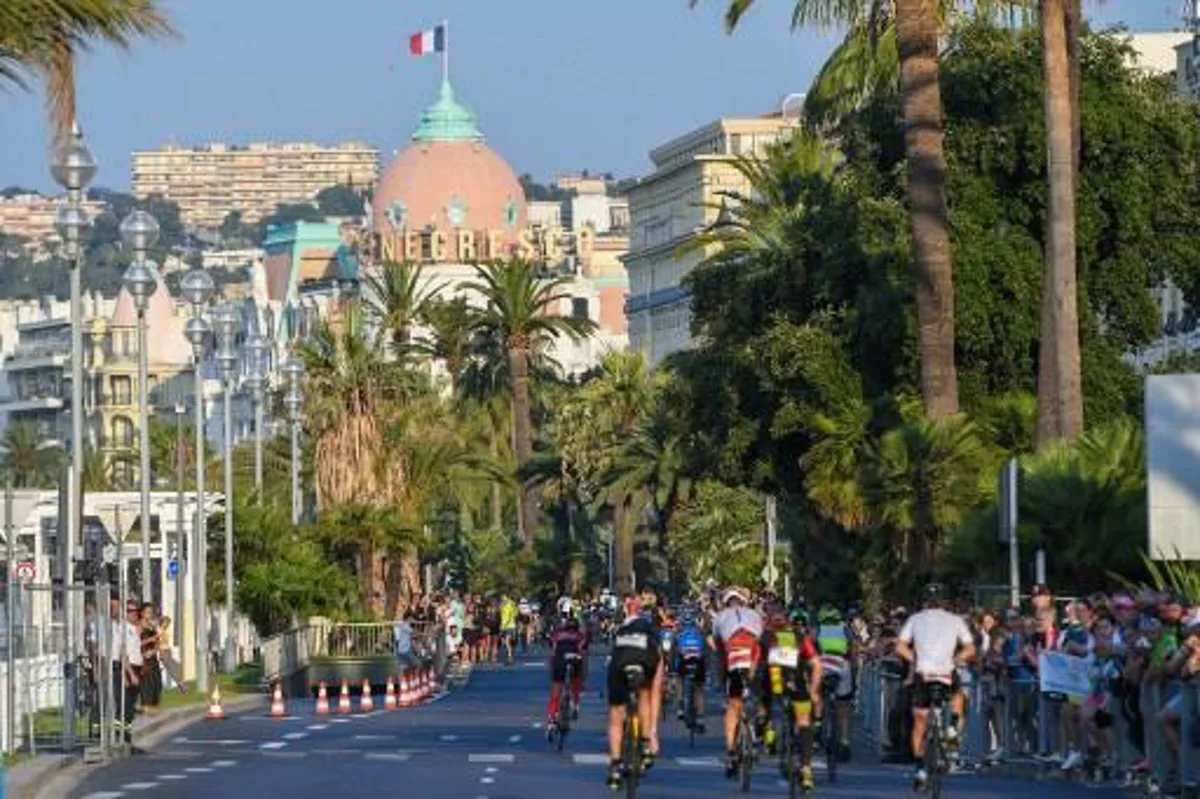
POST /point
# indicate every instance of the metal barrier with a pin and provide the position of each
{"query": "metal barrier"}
(289, 652)
(1010, 721)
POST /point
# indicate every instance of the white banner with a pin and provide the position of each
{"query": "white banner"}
(1064, 674)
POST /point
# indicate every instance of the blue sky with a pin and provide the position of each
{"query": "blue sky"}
(558, 85)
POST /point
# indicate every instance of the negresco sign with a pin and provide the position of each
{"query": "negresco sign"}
(460, 245)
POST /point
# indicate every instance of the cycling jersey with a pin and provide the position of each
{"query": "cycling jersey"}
(690, 641)
(832, 639)
(508, 616)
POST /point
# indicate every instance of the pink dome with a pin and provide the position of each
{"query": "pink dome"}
(449, 179)
(164, 329)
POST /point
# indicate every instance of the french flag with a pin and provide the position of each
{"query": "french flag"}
(426, 42)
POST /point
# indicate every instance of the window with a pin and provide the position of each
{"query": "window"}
(122, 390)
(122, 432)
(579, 308)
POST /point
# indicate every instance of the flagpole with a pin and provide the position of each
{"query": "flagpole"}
(445, 51)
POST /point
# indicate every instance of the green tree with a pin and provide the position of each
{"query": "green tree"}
(42, 37)
(340, 200)
(716, 534)
(397, 299)
(24, 460)
(917, 28)
(520, 312)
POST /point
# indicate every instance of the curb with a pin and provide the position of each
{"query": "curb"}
(55, 776)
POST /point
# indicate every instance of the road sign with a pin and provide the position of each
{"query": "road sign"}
(770, 574)
(173, 570)
(26, 571)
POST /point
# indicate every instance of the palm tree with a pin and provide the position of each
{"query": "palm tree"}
(917, 29)
(397, 300)
(521, 311)
(43, 37)
(450, 323)
(24, 460)
(1060, 383)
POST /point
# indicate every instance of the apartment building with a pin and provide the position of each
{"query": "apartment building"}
(31, 216)
(669, 207)
(211, 180)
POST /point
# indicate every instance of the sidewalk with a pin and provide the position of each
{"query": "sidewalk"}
(37, 776)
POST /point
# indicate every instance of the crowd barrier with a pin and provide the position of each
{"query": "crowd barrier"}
(1013, 722)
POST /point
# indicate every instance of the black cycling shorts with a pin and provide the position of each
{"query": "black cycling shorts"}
(618, 688)
(694, 666)
(558, 666)
(924, 691)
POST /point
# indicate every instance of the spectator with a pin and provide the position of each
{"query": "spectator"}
(1183, 664)
(165, 656)
(402, 636)
(150, 682)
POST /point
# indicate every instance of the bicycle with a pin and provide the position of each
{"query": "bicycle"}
(830, 736)
(632, 751)
(690, 721)
(746, 741)
(566, 703)
(935, 760)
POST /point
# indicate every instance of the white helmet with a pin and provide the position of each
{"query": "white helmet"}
(732, 594)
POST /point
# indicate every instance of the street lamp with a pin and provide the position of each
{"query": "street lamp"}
(225, 323)
(257, 348)
(293, 370)
(139, 231)
(197, 288)
(73, 168)
(180, 558)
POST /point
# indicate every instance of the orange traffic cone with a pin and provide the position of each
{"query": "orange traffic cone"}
(278, 709)
(344, 699)
(323, 700)
(406, 697)
(215, 711)
(366, 702)
(389, 697)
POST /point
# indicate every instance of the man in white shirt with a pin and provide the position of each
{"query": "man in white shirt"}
(125, 649)
(935, 642)
(736, 632)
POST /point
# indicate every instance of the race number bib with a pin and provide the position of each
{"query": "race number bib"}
(741, 658)
(788, 657)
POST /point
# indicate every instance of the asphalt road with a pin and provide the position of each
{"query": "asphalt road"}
(484, 742)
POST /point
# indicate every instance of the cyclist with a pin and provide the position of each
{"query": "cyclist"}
(735, 634)
(786, 652)
(568, 641)
(792, 649)
(690, 661)
(834, 645)
(509, 612)
(935, 642)
(635, 643)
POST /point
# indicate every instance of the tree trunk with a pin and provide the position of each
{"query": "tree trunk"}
(623, 529)
(1060, 392)
(527, 513)
(374, 578)
(917, 40)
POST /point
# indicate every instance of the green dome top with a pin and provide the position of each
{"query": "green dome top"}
(447, 120)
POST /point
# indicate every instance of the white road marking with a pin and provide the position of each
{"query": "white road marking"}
(491, 758)
(514, 739)
(487, 780)
(198, 770)
(491, 769)
(316, 727)
(217, 742)
(593, 759)
(537, 725)
(273, 745)
(295, 736)
(448, 738)
(701, 762)
(223, 763)
(340, 721)
(139, 786)
(172, 777)
(105, 795)
(398, 757)
(374, 737)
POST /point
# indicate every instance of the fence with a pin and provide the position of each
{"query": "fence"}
(1152, 732)
(287, 653)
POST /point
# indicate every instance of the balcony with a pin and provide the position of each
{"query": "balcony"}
(27, 404)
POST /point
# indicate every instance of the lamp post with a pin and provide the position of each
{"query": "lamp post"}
(73, 168)
(225, 323)
(139, 231)
(256, 383)
(180, 557)
(293, 370)
(197, 288)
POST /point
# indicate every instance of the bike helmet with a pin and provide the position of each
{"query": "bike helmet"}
(829, 616)
(934, 592)
(799, 616)
(732, 594)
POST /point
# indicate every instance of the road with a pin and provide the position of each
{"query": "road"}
(484, 742)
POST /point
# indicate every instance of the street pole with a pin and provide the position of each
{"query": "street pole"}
(73, 168)
(180, 557)
(197, 288)
(293, 369)
(225, 325)
(257, 347)
(10, 608)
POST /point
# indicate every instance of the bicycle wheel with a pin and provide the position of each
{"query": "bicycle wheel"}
(689, 710)
(745, 752)
(830, 735)
(564, 710)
